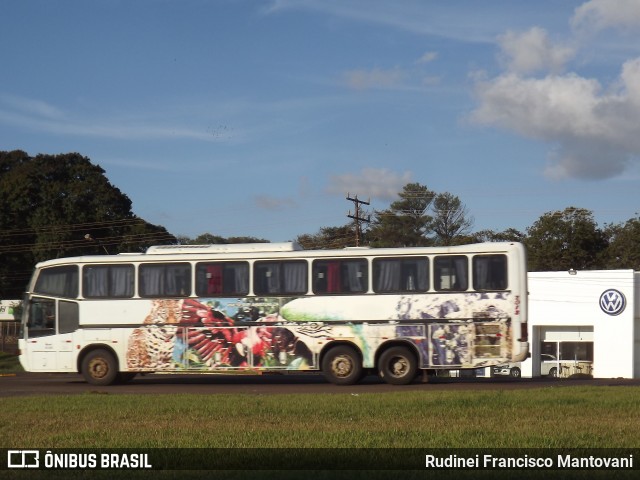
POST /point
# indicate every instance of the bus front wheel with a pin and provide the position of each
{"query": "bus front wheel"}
(342, 365)
(398, 366)
(99, 367)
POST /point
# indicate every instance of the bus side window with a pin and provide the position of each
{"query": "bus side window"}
(108, 281)
(393, 275)
(340, 276)
(42, 317)
(284, 277)
(165, 280)
(490, 272)
(69, 318)
(58, 281)
(451, 273)
(222, 278)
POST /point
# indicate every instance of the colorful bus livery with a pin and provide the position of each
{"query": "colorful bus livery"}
(275, 307)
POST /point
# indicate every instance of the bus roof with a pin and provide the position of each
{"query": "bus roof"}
(225, 248)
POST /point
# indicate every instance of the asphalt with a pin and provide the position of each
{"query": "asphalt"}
(28, 384)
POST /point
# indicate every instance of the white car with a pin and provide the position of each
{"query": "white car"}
(510, 369)
(548, 365)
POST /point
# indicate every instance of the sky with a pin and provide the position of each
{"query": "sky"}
(259, 117)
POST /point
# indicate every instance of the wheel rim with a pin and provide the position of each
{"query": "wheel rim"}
(399, 366)
(342, 366)
(98, 368)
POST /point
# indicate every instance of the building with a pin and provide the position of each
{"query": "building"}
(584, 322)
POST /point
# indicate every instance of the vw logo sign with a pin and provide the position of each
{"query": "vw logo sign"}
(612, 302)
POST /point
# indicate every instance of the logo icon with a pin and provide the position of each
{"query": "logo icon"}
(23, 459)
(612, 302)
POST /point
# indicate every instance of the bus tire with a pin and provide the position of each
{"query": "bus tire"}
(515, 372)
(342, 365)
(99, 367)
(398, 366)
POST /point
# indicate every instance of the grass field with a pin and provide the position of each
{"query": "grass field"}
(577, 417)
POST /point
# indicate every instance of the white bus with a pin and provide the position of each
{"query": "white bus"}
(275, 307)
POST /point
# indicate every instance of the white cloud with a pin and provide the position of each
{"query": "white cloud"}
(268, 202)
(593, 131)
(602, 14)
(376, 183)
(532, 51)
(428, 57)
(375, 78)
(36, 115)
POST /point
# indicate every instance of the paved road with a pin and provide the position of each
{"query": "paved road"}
(23, 384)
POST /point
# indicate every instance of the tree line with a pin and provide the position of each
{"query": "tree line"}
(54, 206)
(559, 240)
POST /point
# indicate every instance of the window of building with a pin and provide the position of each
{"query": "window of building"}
(334, 276)
(222, 278)
(392, 275)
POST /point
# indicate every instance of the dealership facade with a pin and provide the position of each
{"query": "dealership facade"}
(584, 323)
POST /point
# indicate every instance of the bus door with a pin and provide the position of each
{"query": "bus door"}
(50, 328)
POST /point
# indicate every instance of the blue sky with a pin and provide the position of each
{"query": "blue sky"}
(256, 118)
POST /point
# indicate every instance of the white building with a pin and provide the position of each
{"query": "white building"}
(584, 322)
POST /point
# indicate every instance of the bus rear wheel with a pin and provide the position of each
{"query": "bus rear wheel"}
(398, 366)
(342, 365)
(99, 367)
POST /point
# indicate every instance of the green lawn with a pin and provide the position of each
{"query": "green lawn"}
(577, 417)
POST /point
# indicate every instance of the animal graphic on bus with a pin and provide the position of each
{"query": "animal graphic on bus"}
(187, 334)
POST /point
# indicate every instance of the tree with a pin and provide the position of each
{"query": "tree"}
(565, 240)
(624, 245)
(406, 222)
(451, 219)
(508, 235)
(328, 237)
(61, 205)
(210, 239)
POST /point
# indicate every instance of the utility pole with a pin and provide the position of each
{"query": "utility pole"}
(357, 218)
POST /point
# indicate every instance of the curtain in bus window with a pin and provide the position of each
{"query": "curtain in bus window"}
(490, 272)
(96, 281)
(58, 281)
(241, 278)
(122, 280)
(355, 277)
(460, 266)
(177, 281)
(295, 277)
(271, 280)
(151, 280)
(334, 281)
(422, 267)
(214, 279)
(387, 276)
(481, 273)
